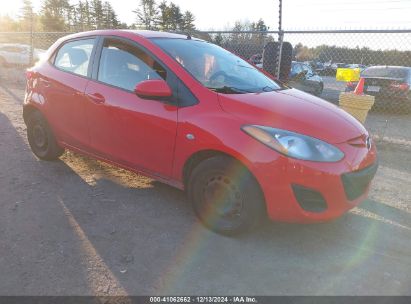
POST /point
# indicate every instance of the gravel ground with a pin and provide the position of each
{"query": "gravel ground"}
(81, 227)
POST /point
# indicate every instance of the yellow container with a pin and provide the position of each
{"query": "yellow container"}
(357, 105)
(347, 75)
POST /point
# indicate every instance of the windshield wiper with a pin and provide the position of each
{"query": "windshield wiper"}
(230, 90)
(268, 89)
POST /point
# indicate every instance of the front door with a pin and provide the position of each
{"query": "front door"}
(139, 133)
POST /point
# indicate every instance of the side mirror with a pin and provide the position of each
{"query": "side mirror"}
(153, 89)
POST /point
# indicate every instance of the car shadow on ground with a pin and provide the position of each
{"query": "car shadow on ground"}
(78, 226)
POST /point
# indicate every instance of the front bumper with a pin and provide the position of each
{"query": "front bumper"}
(307, 192)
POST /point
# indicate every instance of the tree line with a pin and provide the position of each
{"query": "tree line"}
(364, 55)
(61, 16)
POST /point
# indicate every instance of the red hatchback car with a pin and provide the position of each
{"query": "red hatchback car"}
(195, 116)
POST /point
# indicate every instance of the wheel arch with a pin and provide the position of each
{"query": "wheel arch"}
(196, 158)
(29, 109)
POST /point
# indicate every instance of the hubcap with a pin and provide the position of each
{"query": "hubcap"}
(39, 136)
(222, 198)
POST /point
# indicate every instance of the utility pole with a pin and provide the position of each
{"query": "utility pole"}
(280, 38)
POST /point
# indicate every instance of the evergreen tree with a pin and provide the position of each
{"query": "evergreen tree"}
(27, 16)
(8, 24)
(147, 14)
(81, 17)
(97, 14)
(110, 19)
(218, 39)
(176, 17)
(53, 15)
(188, 22)
(171, 18)
(164, 21)
(88, 15)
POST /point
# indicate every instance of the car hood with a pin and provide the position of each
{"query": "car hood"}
(295, 111)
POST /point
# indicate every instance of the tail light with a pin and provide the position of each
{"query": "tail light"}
(29, 74)
(402, 86)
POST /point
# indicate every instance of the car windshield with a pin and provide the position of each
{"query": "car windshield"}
(388, 72)
(216, 68)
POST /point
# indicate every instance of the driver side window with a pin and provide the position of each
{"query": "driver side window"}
(124, 65)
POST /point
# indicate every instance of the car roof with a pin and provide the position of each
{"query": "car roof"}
(142, 33)
(389, 67)
(156, 34)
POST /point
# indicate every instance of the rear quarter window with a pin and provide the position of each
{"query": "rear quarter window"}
(74, 56)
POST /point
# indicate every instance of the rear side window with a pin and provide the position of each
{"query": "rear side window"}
(75, 56)
(124, 65)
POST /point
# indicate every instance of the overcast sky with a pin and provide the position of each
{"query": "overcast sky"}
(301, 14)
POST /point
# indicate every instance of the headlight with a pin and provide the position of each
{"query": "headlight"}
(294, 145)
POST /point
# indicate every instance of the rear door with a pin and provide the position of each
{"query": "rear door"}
(139, 133)
(63, 82)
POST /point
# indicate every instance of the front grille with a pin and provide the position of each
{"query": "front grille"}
(355, 183)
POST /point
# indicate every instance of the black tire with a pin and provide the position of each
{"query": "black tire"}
(41, 138)
(219, 177)
(319, 90)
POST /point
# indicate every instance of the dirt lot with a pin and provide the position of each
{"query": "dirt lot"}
(81, 227)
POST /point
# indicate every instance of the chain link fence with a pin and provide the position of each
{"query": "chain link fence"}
(383, 58)
(315, 56)
(19, 50)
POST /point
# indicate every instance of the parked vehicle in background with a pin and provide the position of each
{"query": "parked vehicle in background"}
(302, 77)
(318, 67)
(257, 60)
(362, 67)
(389, 84)
(335, 66)
(18, 54)
(326, 69)
(195, 116)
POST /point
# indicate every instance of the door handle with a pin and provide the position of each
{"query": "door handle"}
(97, 98)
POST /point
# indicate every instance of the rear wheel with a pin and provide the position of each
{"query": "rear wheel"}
(41, 138)
(319, 90)
(225, 196)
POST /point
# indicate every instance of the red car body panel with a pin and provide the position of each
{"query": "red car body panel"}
(295, 111)
(150, 136)
(67, 111)
(128, 129)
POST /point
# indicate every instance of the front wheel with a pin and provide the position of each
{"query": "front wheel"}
(225, 196)
(41, 138)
